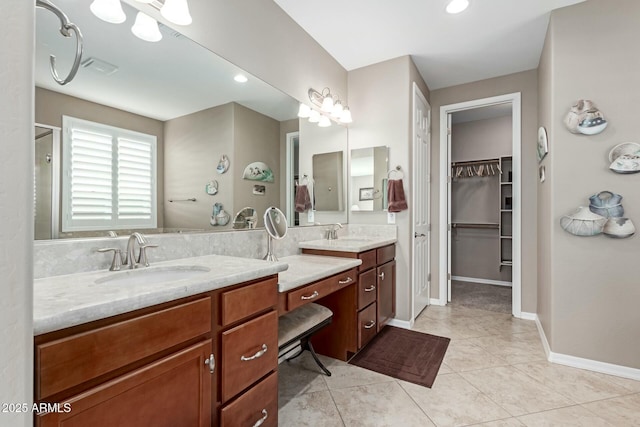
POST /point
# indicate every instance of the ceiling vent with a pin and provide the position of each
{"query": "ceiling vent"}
(99, 66)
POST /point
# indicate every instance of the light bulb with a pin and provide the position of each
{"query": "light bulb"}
(109, 11)
(241, 78)
(304, 111)
(324, 122)
(345, 117)
(146, 28)
(314, 116)
(176, 11)
(457, 6)
(327, 103)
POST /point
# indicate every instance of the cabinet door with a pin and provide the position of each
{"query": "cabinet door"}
(172, 391)
(257, 406)
(386, 293)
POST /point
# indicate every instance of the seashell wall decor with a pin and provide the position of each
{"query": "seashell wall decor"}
(584, 118)
(604, 215)
(625, 158)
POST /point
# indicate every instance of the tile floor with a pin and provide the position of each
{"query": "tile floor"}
(494, 374)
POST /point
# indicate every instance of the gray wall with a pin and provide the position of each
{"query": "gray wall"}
(592, 310)
(525, 82)
(388, 123)
(16, 207)
(256, 138)
(50, 106)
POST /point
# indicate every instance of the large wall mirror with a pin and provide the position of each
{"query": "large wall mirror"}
(185, 96)
(369, 168)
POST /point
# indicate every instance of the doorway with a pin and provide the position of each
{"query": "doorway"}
(480, 205)
(46, 190)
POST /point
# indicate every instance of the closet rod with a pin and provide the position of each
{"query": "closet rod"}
(475, 162)
(474, 225)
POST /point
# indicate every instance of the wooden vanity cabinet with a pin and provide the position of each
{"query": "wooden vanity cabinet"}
(176, 363)
(375, 305)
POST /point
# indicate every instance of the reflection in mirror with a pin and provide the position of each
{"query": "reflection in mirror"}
(327, 177)
(369, 167)
(189, 101)
(46, 173)
(275, 223)
(245, 218)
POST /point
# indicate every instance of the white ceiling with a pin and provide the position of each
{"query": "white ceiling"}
(491, 38)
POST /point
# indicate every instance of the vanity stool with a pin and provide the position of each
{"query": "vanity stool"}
(299, 325)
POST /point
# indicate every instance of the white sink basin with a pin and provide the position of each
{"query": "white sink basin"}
(154, 275)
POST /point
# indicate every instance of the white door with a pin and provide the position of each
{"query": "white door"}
(449, 208)
(421, 273)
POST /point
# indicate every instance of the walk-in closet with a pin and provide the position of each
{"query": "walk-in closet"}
(482, 208)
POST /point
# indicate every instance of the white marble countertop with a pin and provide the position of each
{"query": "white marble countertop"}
(348, 243)
(305, 269)
(63, 301)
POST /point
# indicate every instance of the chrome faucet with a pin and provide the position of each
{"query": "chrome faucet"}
(332, 233)
(131, 261)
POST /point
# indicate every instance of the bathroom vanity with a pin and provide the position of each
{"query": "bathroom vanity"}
(204, 359)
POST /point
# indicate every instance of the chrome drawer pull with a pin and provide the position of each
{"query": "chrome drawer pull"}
(312, 296)
(372, 288)
(260, 353)
(265, 415)
(211, 361)
(381, 276)
(345, 281)
(370, 324)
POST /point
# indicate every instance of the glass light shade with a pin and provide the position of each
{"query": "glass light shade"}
(337, 110)
(145, 1)
(109, 11)
(345, 117)
(324, 122)
(241, 78)
(327, 103)
(314, 116)
(457, 6)
(176, 11)
(146, 28)
(304, 111)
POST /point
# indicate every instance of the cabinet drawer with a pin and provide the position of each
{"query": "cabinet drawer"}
(368, 260)
(366, 325)
(173, 391)
(249, 351)
(260, 402)
(72, 360)
(385, 254)
(366, 288)
(248, 300)
(320, 289)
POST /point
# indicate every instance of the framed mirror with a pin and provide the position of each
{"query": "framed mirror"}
(368, 175)
(185, 96)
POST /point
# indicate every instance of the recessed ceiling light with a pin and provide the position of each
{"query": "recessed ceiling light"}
(240, 78)
(457, 6)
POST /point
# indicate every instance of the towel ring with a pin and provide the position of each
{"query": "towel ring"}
(396, 170)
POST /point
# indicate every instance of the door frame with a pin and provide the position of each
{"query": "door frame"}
(289, 184)
(445, 187)
(417, 93)
(55, 177)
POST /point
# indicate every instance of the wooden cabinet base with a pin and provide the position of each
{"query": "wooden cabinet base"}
(172, 391)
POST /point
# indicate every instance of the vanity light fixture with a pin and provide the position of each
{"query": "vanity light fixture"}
(108, 10)
(327, 107)
(457, 6)
(146, 28)
(176, 11)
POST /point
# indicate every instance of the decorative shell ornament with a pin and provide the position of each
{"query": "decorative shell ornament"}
(584, 118)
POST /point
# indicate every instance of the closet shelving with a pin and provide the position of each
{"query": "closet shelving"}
(506, 212)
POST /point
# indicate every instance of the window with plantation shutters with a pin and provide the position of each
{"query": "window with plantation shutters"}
(109, 177)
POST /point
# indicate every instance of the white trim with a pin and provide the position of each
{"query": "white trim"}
(445, 110)
(528, 316)
(436, 301)
(289, 149)
(404, 324)
(581, 363)
(483, 281)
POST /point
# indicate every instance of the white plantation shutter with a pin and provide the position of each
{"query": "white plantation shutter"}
(109, 177)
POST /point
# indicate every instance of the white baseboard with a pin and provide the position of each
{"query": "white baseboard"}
(581, 363)
(528, 316)
(483, 281)
(404, 324)
(435, 301)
